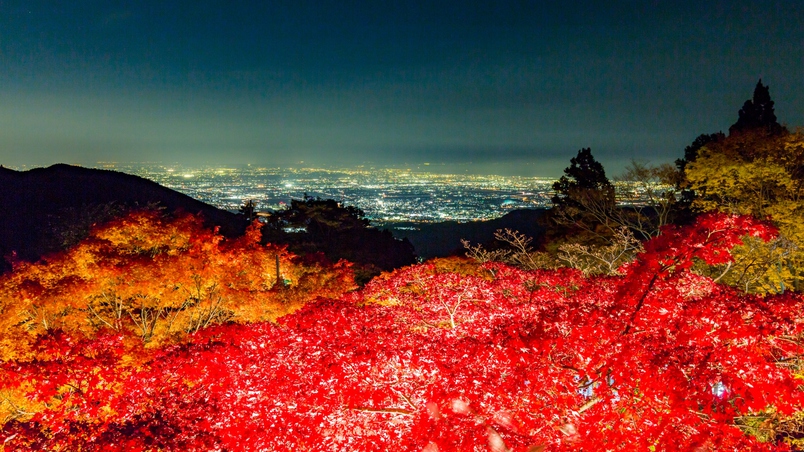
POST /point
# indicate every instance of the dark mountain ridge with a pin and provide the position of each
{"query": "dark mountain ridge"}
(444, 239)
(36, 205)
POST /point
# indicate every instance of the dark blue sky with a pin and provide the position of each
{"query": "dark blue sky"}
(515, 87)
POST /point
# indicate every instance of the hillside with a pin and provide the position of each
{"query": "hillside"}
(38, 207)
(444, 239)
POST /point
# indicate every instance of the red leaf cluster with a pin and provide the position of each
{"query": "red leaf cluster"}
(426, 359)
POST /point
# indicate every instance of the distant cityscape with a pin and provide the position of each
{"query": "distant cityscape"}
(386, 195)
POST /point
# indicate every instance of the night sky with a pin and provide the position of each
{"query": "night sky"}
(506, 87)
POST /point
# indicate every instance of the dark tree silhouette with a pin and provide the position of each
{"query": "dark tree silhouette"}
(755, 123)
(248, 210)
(584, 178)
(684, 213)
(757, 113)
(691, 151)
(584, 204)
(313, 225)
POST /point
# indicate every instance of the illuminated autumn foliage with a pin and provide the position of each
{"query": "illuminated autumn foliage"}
(157, 279)
(754, 173)
(441, 356)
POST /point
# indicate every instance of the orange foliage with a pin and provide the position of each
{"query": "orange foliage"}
(158, 279)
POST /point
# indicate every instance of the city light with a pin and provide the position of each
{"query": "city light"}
(386, 195)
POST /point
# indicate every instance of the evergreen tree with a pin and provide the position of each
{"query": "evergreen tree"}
(313, 225)
(584, 178)
(583, 205)
(684, 213)
(757, 113)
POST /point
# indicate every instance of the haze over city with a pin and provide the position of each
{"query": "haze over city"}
(511, 87)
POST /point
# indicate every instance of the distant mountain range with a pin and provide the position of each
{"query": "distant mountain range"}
(37, 207)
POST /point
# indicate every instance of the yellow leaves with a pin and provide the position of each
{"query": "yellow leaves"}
(761, 176)
(146, 232)
(153, 280)
(731, 185)
(460, 265)
(16, 405)
(759, 267)
(388, 301)
(305, 283)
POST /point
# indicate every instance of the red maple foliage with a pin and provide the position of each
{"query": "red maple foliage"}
(496, 358)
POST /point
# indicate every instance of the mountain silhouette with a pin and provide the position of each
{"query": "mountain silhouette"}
(444, 239)
(41, 209)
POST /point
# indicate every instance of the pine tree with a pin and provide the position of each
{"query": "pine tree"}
(584, 177)
(757, 113)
